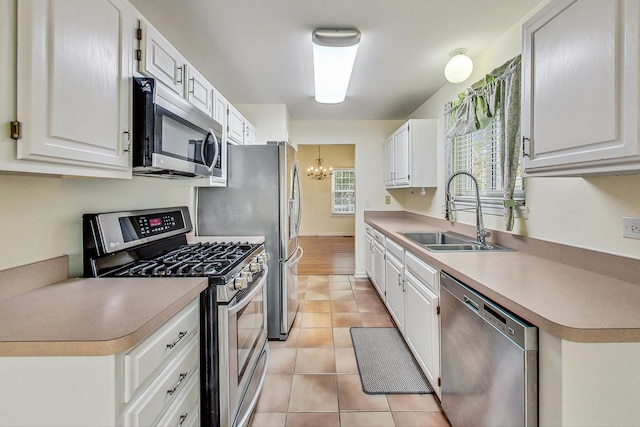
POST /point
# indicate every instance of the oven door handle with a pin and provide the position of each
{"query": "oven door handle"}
(239, 305)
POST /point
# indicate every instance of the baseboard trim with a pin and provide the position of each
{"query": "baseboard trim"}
(360, 275)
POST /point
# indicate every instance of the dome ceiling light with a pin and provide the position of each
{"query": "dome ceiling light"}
(459, 67)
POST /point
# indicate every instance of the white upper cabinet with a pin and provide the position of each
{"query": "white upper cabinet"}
(220, 105)
(580, 88)
(74, 62)
(402, 156)
(389, 162)
(160, 60)
(410, 155)
(249, 133)
(235, 125)
(199, 91)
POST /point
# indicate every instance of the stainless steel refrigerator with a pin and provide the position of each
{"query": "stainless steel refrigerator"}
(262, 197)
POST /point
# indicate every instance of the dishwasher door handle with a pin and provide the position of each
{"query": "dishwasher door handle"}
(471, 303)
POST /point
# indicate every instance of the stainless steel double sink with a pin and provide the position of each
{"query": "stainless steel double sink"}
(439, 241)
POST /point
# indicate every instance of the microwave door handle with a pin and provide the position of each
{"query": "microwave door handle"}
(216, 151)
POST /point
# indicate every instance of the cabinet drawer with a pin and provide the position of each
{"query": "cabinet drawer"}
(185, 411)
(145, 358)
(395, 249)
(368, 229)
(166, 388)
(423, 271)
(378, 236)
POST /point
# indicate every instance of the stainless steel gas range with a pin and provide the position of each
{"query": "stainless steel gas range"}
(234, 350)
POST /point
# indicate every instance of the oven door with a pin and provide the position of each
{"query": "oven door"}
(243, 353)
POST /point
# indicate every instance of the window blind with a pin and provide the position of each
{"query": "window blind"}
(481, 153)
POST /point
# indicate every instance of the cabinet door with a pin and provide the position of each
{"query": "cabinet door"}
(73, 88)
(249, 133)
(422, 331)
(401, 150)
(199, 91)
(161, 60)
(580, 88)
(378, 268)
(389, 162)
(368, 255)
(235, 125)
(394, 286)
(220, 105)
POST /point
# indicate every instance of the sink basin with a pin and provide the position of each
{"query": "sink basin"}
(434, 238)
(438, 241)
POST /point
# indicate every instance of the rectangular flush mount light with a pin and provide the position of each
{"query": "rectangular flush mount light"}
(334, 52)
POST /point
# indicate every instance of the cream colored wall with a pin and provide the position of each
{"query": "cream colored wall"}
(41, 216)
(368, 138)
(583, 212)
(317, 219)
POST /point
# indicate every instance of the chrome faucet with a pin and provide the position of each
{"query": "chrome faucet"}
(481, 233)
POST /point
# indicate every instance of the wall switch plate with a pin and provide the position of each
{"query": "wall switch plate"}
(631, 227)
(387, 200)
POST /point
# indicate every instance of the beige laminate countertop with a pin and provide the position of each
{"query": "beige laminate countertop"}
(568, 302)
(91, 317)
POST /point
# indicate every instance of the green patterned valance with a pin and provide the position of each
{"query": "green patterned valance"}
(476, 108)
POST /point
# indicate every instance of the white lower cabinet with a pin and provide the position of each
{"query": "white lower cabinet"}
(422, 316)
(159, 385)
(368, 251)
(160, 369)
(378, 263)
(394, 283)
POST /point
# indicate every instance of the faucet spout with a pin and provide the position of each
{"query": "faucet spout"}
(481, 232)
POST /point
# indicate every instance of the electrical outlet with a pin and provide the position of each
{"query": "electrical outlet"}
(631, 227)
(387, 200)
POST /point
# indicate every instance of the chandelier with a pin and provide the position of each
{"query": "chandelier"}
(318, 171)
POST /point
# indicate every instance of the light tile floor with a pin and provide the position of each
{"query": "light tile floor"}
(312, 378)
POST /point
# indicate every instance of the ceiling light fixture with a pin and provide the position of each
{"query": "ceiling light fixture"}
(334, 52)
(319, 172)
(459, 67)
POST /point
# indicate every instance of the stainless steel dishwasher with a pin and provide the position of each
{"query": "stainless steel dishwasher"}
(489, 360)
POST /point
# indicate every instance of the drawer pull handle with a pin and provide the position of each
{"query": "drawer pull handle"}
(180, 336)
(182, 419)
(175, 387)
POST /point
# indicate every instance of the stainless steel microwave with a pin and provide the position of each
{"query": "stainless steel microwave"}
(172, 138)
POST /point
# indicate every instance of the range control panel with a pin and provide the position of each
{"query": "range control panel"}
(141, 226)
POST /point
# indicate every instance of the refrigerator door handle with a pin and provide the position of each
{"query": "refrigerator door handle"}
(297, 259)
(295, 203)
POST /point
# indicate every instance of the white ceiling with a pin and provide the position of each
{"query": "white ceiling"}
(259, 51)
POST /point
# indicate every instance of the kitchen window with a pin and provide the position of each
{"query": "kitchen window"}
(343, 192)
(482, 137)
(481, 153)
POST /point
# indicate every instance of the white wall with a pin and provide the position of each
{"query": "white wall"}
(41, 216)
(583, 212)
(368, 137)
(271, 121)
